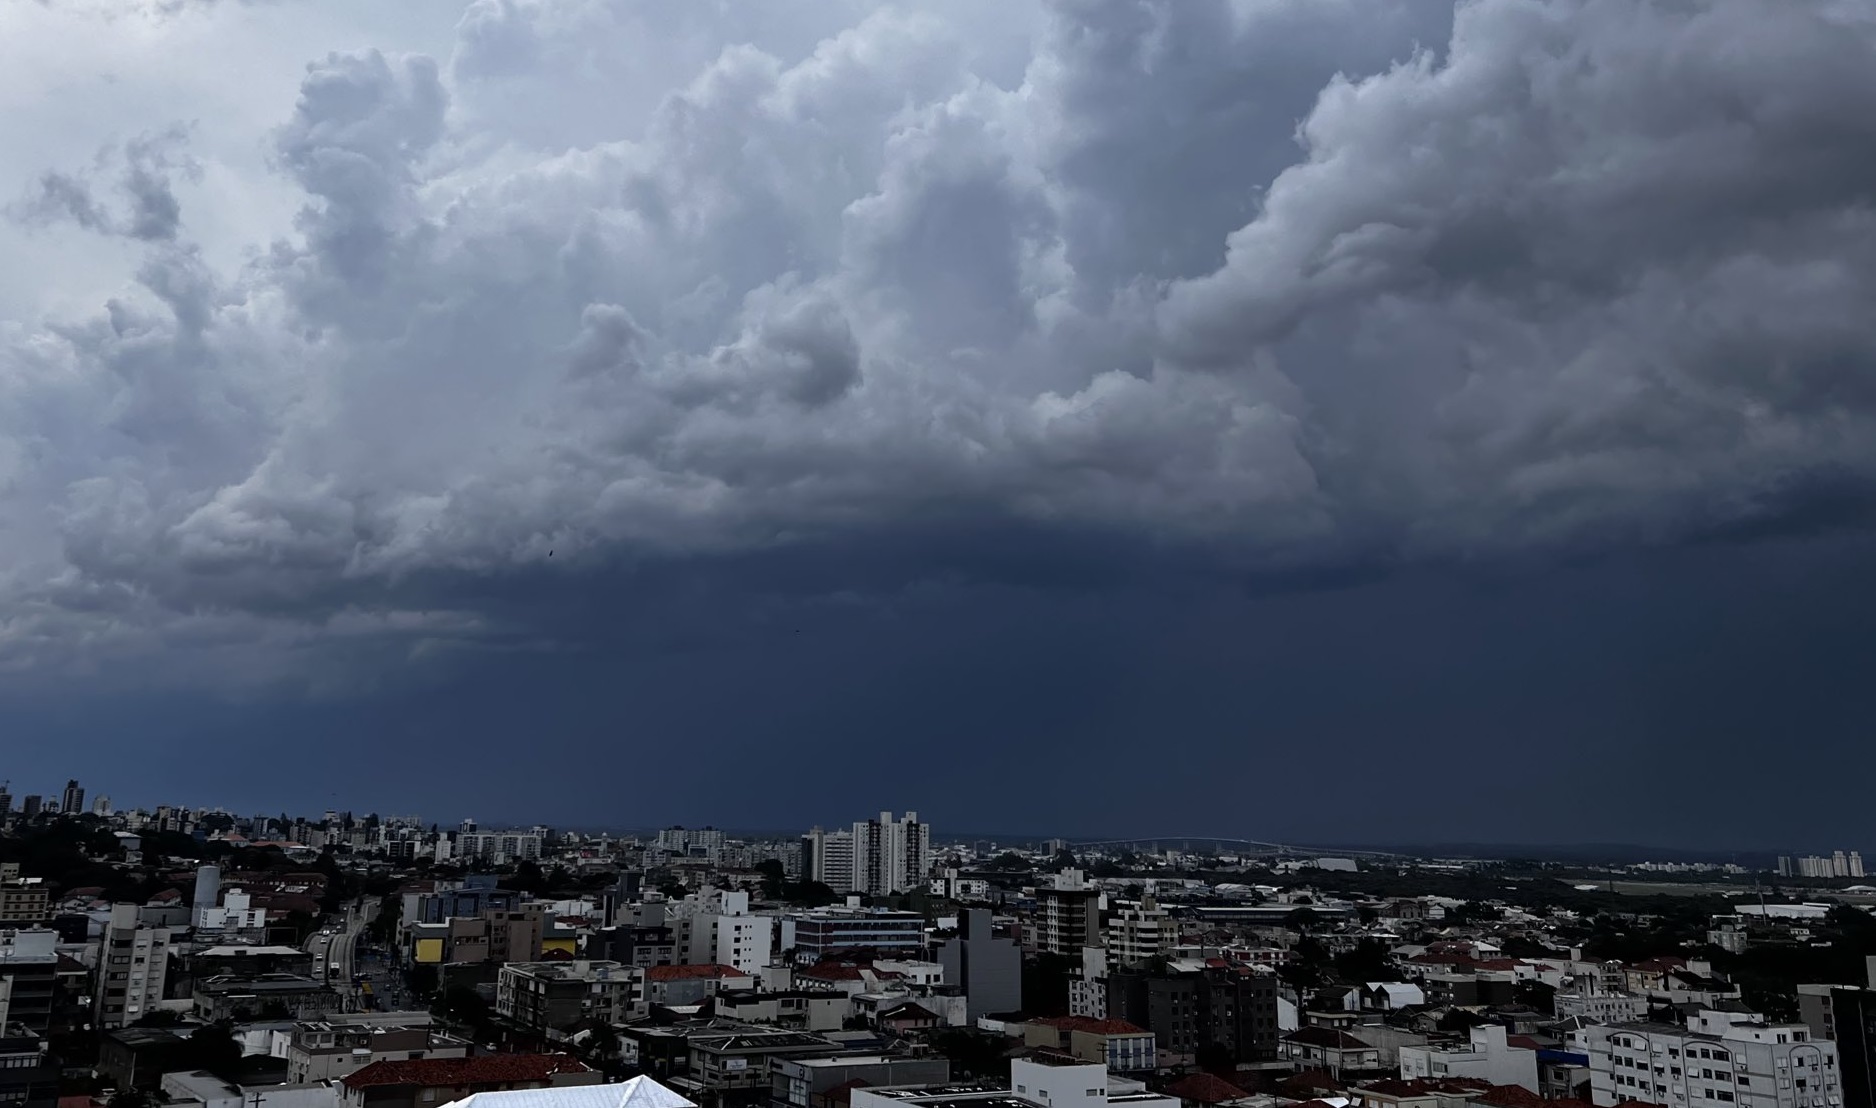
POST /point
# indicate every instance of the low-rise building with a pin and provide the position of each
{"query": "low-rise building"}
(1116, 1044)
(551, 997)
(269, 995)
(324, 1051)
(677, 986)
(813, 1082)
(1487, 1054)
(429, 1082)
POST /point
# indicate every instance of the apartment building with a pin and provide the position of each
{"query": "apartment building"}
(552, 996)
(1718, 1058)
(1068, 914)
(133, 961)
(29, 978)
(23, 900)
(715, 927)
(1137, 932)
(29, 1078)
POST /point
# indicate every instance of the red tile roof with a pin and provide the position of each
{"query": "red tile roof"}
(1326, 1037)
(1204, 1088)
(1510, 1096)
(1091, 1026)
(455, 1073)
(835, 971)
(691, 973)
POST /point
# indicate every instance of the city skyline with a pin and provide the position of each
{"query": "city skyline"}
(1115, 415)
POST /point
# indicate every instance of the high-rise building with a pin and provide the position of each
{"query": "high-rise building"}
(890, 855)
(30, 805)
(6, 800)
(1784, 865)
(827, 857)
(101, 806)
(1856, 864)
(132, 964)
(73, 802)
(1137, 932)
(987, 966)
(1846, 1015)
(1068, 914)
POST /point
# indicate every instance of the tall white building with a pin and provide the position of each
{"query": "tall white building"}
(714, 927)
(499, 846)
(830, 858)
(1718, 1057)
(890, 855)
(132, 963)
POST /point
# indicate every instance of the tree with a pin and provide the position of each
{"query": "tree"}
(1301, 919)
(527, 878)
(423, 979)
(774, 878)
(973, 1053)
(212, 1047)
(1216, 1058)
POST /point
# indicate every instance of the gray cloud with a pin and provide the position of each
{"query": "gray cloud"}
(143, 172)
(1534, 276)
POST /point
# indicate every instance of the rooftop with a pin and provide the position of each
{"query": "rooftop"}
(487, 1069)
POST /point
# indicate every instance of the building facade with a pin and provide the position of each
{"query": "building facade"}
(1717, 1057)
(133, 961)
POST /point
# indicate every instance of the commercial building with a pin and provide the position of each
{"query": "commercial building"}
(133, 961)
(1724, 1057)
(821, 933)
(72, 802)
(549, 997)
(987, 966)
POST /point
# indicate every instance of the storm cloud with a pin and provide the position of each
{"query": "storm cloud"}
(834, 302)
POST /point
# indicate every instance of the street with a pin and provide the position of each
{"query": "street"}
(338, 951)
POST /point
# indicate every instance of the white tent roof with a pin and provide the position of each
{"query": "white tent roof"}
(639, 1092)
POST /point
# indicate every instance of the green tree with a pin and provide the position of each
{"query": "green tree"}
(774, 878)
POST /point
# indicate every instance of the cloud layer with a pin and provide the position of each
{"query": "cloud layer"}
(1265, 286)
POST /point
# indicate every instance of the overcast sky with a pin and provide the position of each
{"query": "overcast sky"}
(1326, 420)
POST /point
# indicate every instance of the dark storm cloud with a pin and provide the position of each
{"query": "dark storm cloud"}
(1529, 279)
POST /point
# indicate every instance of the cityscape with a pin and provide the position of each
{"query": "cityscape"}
(937, 553)
(187, 955)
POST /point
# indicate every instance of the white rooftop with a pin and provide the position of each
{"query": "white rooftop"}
(639, 1092)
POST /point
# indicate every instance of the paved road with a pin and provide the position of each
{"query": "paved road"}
(339, 950)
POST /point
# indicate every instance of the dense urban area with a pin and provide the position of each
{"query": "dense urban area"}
(189, 956)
